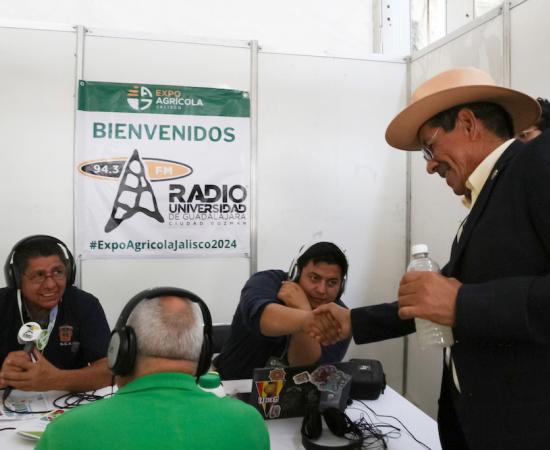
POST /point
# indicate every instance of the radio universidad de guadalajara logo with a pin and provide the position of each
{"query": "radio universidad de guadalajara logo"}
(136, 195)
(135, 192)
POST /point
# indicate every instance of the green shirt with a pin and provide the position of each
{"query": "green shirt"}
(159, 411)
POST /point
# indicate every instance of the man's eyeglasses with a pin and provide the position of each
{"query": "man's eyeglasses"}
(426, 148)
(57, 273)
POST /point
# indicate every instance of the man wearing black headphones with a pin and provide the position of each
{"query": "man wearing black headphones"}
(158, 348)
(270, 323)
(72, 334)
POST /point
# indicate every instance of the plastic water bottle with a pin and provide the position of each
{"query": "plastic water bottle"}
(429, 334)
(211, 382)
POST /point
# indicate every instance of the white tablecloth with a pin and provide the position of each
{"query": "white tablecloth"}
(285, 433)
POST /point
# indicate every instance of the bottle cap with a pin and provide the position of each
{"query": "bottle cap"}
(419, 248)
(210, 380)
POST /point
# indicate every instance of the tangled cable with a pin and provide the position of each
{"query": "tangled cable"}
(377, 433)
(72, 399)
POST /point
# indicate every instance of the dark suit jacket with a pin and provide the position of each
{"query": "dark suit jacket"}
(502, 328)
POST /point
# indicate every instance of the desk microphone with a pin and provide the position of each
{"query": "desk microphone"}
(27, 336)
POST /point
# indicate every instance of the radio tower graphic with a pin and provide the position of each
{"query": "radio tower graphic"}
(134, 195)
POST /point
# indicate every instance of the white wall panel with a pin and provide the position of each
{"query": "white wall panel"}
(309, 26)
(147, 59)
(326, 172)
(36, 125)
(530, 64)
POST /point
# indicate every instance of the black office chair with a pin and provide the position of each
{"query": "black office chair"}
(220, 333)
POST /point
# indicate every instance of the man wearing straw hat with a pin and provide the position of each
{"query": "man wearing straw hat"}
(495, 290)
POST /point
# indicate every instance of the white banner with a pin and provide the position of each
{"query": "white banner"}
(162, 171)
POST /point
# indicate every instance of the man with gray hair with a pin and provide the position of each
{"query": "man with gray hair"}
(158, 347)
(495, 290)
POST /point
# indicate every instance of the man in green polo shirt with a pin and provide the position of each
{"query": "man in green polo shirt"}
(158, 404)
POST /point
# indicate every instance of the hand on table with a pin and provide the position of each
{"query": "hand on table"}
(20, 372)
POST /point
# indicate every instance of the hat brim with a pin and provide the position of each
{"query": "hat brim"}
(402, 132)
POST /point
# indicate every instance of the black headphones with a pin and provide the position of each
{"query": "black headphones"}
(294, 270)
(122, 352)
(338, 423)
(12, 273)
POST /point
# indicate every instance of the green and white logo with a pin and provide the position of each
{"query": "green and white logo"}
(140, 98)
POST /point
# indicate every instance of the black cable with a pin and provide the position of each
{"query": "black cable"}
(8, 428)
(373, 435)
(5, 396)
(394, 431)
(395, 418)
(72, 399)
(6, 393)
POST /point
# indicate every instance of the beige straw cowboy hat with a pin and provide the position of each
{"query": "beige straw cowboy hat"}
(455, 87)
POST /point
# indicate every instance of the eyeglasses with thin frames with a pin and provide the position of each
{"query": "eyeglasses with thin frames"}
(426, 148)
(57, 274)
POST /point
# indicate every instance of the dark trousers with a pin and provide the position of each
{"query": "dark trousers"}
(450, 430)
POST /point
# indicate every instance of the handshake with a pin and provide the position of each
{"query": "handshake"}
(328, 323)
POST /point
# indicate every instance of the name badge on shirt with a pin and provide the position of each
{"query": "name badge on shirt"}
(66, 335)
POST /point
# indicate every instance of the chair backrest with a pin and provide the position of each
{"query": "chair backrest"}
(220, 333)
